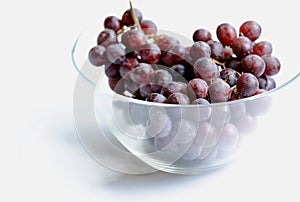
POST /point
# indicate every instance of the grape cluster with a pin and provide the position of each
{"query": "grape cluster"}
(148, 66)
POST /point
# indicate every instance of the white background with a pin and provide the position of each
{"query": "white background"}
(41, 156)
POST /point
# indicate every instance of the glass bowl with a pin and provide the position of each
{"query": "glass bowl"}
(182, 139)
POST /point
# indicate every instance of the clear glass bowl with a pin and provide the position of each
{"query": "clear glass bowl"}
(183, 139)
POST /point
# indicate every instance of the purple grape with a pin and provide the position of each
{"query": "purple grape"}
(134, 39)
(97, 56)
(197, 88)
(130, 86)
(229, 76)
(219, 91)
(253, 64)
(160, 77)
(112, 70)
(251, 30)
(127, 18)
(173, 87)
(156, 97)
(178, 98)
(226, 33)
(262, 48)
(179, 72)
(166, 42)
(272, 65)
(227, 53)
(206, 69)
(200, 49)
(107, 37)
(266, 82)
(113, 82)
(128, 65)
(235, 64)
(247, 84)
(112, 22)
(115, 53)
(242, 46)
(217, 50)
(201, 35)
(148, 27)
(149, 53)
(142, 73)
(145, 90)
(175, 55)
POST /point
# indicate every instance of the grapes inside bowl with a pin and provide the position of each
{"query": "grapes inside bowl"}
(180, 105)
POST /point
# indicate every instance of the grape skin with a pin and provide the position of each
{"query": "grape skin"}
(272, 65)
(97, 56)
(149, 53)
(148, 27)
(134, 39)
(219, 91)
(107, 37)
(112, 22)
(247, 84)
(206, 69)
(142, 73)
(201, 35)
(115, 53)
(253, 64)
(127, 18)
(251, 30)
(200, 49)
(262, 48)
(242, 46)
(197, 88)
(160, 77)
(226, 33)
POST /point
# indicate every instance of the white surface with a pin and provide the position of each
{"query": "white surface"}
(41, 156)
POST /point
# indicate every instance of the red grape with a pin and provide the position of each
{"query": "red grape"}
(149, 53)
(127, 18)
(114, 23)
(242, 46)
(197, 88)
(97, 56)
(201, 35)
(219, 91)
(262, 48)
(200, 49)
(148, 27)
(226, 33)
(107, 37)
(142, 73)
(250, 29)
(253, 64)
(247, 84)
(272, 65)
(134, 39)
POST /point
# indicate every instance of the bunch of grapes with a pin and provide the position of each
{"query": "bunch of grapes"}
(145, 65)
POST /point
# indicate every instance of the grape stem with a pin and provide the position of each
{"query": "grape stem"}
(135, 20)
(219, 63)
